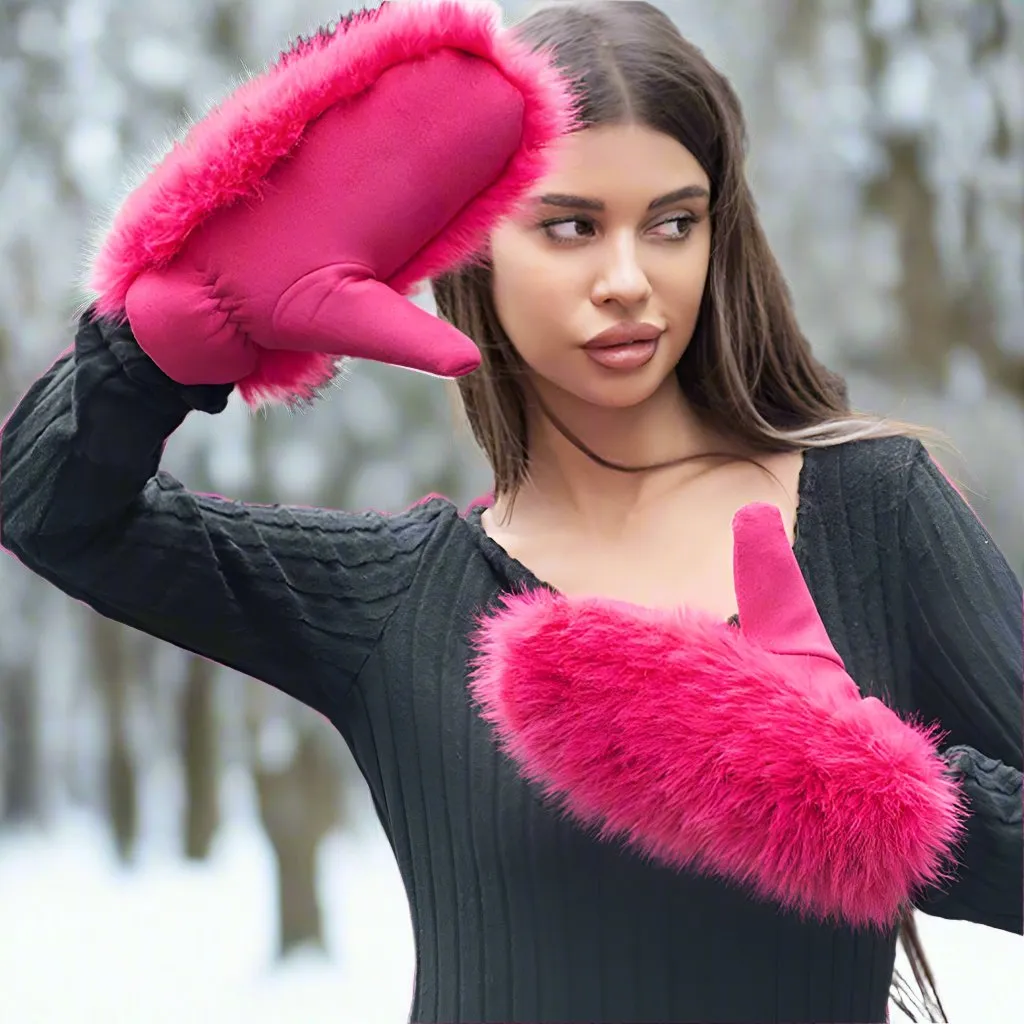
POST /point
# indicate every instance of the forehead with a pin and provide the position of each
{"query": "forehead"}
(621, 161)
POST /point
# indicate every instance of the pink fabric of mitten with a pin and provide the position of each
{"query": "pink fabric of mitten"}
(746, 753)
(285, 229)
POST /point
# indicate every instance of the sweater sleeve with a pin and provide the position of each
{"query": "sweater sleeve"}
(293, 596)
(966, 622)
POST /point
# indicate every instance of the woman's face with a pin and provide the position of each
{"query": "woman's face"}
(617, 233)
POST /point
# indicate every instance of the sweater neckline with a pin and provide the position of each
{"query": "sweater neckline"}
(519, 577)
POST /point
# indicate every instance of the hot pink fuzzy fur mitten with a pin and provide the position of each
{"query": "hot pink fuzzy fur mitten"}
(746, 753)
(284, 230)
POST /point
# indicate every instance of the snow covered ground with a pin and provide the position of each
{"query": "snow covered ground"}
(83, 940)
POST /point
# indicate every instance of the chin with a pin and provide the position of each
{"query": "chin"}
(605, 390)
(620, 395)
(613, 390)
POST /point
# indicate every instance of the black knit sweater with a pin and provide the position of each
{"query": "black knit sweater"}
(518, 915)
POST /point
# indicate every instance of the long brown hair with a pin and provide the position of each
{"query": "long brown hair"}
(748, 370)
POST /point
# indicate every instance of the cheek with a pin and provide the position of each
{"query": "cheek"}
(530, 293)
(681, 279)
(702, 257)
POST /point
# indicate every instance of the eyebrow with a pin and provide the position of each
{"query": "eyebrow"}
(583, 203)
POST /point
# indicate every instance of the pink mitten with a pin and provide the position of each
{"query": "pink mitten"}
(745, 753)
(282, 232)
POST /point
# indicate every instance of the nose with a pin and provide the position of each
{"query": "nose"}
(621, 278)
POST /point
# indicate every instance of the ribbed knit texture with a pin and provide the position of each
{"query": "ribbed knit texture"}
(518, 915)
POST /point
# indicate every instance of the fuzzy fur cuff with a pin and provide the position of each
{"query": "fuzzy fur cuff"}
(697, 747)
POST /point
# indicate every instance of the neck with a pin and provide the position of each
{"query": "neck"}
(568, 487)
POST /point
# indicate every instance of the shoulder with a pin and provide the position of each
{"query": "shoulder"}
(435, 523)
(426, 518)
(367, 536)
(874, 472)
(874, 455)
(451, 560)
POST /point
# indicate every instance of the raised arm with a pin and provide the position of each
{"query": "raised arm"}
(297, 597)
(278, 235)
(964, 613)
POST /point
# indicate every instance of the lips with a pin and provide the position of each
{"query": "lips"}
(625, 333)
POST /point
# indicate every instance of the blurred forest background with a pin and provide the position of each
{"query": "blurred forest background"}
(888, 158)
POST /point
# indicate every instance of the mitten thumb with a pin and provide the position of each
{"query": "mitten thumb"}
(340, 309)
(775, 606)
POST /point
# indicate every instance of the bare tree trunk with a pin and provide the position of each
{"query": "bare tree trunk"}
(937, 314)
(199, 729)
(299, 805)
(21, 793)
(934, 316)
(114, 674)
(22, 796)
(299, 915)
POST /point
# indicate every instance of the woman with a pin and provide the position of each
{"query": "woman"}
(604, 808)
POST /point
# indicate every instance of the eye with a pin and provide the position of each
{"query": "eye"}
(568, 229)
(676, 227)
